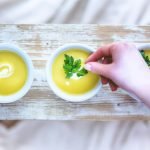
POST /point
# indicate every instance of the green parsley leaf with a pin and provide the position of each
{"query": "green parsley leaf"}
(146, 58)
(72, 66)
(69, 75)
(82, 72)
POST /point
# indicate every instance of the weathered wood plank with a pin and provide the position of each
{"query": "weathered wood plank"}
(39, 41)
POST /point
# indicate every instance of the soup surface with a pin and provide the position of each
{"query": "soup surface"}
(75, 84)
(13, 73)
(147, 53)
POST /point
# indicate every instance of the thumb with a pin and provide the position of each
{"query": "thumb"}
(98, 68)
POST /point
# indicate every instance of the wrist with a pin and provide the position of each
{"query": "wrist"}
(142, 89)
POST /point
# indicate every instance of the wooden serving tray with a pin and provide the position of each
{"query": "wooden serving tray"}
(39, 41)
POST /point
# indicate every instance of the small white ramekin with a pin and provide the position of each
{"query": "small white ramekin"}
(53, 86)
(18, 95)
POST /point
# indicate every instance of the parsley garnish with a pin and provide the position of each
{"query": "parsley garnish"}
(72, 66)
(146, 58)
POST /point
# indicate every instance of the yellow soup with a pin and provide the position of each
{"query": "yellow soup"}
(13, 73)
(75, 84)
(147, 53)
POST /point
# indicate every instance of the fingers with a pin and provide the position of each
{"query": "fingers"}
(108, 50)
(98, 68)
(104, 79)
(113, 86)
(101, 52)
(104, 71)
(104, 68)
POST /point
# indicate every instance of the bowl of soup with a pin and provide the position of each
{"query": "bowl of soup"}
(67, 76)
(16, 73)
(145, 51)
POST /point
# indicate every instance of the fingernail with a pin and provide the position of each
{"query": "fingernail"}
(88, 67)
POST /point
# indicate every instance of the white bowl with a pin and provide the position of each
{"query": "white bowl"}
(16, 96)
(143, 46)
(53, 86)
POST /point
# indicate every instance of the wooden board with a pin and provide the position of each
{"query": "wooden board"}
(39, 41)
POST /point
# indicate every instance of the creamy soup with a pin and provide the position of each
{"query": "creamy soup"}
(13, 73)
(147, 53)
(75, 84)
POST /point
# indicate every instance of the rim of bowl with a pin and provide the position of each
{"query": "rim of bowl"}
(18, 95)
(143, 46)
(53, 86)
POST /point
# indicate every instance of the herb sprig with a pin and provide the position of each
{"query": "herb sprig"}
(72, 66)
(146, 58)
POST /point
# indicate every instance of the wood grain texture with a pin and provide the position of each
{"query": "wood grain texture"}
(39, 41)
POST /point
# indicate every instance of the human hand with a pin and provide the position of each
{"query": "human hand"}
(121, 66)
